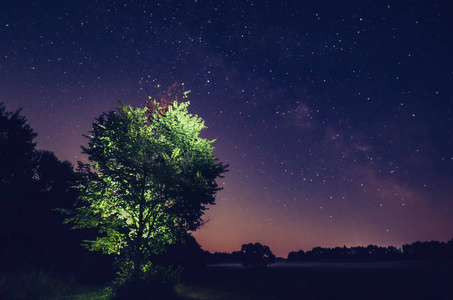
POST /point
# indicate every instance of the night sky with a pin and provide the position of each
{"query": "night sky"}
(334, 116)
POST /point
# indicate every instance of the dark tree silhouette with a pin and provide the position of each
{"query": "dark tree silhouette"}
(17, 163)
(296, 255)
(33, 183)
(17, 166)
(369, 253)
(223, 257)
(187, 253)
(429, 251)
(256, 255)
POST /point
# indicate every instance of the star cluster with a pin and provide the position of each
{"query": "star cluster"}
(335, 117)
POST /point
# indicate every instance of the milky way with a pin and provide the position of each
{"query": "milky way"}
(335, 118)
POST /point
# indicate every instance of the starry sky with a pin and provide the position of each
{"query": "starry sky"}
(334, 116)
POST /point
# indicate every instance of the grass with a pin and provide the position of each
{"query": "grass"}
(322, 282)
(45, 285)
(327, 281)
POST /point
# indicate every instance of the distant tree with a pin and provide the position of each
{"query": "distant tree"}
(256, 255)
(369, 253)
(296, 256)
(148, 182)
(429, 251)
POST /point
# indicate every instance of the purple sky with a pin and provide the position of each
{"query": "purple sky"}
(335, 118)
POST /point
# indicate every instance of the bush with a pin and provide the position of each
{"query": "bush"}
(153, 282)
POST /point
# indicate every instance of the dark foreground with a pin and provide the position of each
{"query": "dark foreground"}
(324, 281)
(306, 281)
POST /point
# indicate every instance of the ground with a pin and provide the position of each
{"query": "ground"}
(325, 281)
(387, 280)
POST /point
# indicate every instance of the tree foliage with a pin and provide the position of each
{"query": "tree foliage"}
(33, 183)
(148, 180)
(186, 253)
(429, 251)
(359, 253)
(256, 255)
(175, 92)
(17, 148)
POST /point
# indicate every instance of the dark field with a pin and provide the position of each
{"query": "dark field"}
(323, 281)
(349, 281)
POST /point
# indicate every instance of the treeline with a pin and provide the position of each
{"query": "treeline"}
(360, 253)
(426, 251)
(33, 184)
(418, 251)
(433, 251)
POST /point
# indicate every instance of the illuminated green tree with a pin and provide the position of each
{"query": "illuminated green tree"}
(148, 181)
